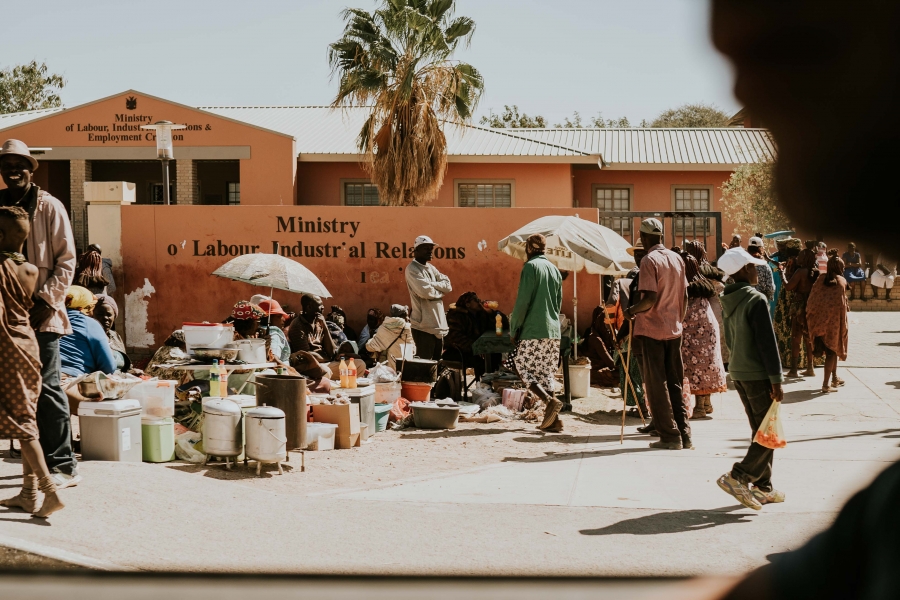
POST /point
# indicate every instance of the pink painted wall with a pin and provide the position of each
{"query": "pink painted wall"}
(167, 246)
(536, 185)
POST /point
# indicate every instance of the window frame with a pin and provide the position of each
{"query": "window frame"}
(614, 186)
(709, 229)
(510, 182)
(228, 193)
(357, 181)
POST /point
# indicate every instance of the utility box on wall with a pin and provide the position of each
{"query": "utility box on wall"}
(115, 192)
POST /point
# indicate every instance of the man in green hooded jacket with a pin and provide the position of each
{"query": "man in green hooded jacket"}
(755, 368)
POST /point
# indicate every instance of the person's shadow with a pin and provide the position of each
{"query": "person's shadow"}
(673, 522)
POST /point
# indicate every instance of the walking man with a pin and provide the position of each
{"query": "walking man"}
(51, 248)
(534, 324)
(658, 317)
(427, 287)
(755, 368)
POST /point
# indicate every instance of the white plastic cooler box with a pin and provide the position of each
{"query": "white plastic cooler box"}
(111, 430)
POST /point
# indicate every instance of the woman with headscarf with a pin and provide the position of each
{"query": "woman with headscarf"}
(467, 320)
(800, 284)
(700, 345)
(173, 349)
(394, 331)
(106, 311)
(826, 317)
(89, 272)
(535, 330)
(86, 349)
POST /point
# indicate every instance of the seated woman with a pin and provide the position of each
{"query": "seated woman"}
(467, 320)
(273, 324)
(348, 351)
(105, 312)
(598, 346)
(393, 331)
(374, 318)
(86, 349)
(173, 349)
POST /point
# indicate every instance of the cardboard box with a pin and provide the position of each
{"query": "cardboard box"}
(346, 417)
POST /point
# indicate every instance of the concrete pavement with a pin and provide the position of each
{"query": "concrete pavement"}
(497, 499)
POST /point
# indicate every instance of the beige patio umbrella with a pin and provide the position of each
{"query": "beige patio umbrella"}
(574, 244)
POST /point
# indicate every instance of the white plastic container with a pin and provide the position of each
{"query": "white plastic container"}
(387, 393)
(111, 430)
(157, 398)
(251, 351)
(207, 335)
(580, 380)
(320, 436)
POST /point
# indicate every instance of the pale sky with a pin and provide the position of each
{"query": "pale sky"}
(550, 57)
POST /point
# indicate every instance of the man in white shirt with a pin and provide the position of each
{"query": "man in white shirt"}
(427, 287)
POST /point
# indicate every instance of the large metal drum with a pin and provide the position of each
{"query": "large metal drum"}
(222, 428)
(266, 440)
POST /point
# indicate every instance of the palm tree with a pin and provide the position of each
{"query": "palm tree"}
(396, 61)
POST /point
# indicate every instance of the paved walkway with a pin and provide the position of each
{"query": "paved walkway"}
(590, 507)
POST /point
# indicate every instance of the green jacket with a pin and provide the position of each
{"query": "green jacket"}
(538, 302)
(749, 335)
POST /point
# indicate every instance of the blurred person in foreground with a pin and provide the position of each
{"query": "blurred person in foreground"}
(797, 65)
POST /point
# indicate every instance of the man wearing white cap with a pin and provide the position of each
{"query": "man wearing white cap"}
(658, 318)
(755, 368)
(427, 287)
(51, 248)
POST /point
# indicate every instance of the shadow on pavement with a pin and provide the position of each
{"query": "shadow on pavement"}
(673, 522)
(896, 384)
(217, 470)
(583, 439)
(889, 343)
(551, 456)
(426, 434)
(801, 396)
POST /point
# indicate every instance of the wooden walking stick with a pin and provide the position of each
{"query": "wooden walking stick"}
(628, 385)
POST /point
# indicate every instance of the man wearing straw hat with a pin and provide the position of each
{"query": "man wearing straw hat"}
(658, 317)
(51, 248)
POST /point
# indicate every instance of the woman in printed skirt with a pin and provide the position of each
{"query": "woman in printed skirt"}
(826, 315)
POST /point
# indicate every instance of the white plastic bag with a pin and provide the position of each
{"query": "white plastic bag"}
(184, 447)
(770, 433)
(381, 373)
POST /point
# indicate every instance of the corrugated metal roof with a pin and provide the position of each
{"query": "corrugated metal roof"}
(321, 130)
(698, 146)
(13, 119)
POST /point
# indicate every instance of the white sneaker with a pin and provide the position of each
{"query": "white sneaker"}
(63, 480)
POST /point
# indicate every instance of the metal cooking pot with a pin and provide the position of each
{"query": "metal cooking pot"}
(417, 370)
(227, 354)
(266, 437)
(222, 428)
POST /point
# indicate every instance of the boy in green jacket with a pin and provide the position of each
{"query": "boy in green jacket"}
(755, 368)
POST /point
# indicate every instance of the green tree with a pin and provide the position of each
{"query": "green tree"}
(29, 87)
(510, 117)
(691, 115)
(748, 199)
(397, 62)
(599, 122)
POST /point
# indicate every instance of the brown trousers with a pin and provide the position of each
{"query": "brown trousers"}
(663, 372)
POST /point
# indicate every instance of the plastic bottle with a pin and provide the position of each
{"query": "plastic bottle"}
(223, 379)
(351, 374)
(214, 380)
(345, 379)
(498, 324)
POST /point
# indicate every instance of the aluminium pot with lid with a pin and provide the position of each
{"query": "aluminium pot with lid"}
(265, 412)
(221, 407)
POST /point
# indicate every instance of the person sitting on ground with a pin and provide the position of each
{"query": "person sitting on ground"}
(374, 318)
(339, 316)
(755, 368)
(89, 272)
(598, 346)
(307, 364)
(172, 350)
(308, 332)
(467, 320)
(393, 331)
(883, 276)
(20, 370)
(826, 316)
(106, 311)
(245, 318)
(86, 349)
(272, 325)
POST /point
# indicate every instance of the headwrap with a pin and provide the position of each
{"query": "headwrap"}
(80, 299)
(244, 311)
(695, 248)
(535, 244)
(399, 310)
(108, 301)
(691, 267)
(465, 298)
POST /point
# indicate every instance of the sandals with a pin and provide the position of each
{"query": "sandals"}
(837, 381)
(828, 389)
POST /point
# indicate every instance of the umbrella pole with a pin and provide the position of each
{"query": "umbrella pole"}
(575, 312)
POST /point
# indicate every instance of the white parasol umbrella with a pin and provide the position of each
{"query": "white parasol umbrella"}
(574, 244)
(273, 271)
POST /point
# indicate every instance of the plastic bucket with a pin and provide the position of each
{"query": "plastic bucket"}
(158, 440)
(416, 392)
(320, 436)
(382, 412)
(580, 380)
(387, 393)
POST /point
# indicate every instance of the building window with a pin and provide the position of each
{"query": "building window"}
(692, 200)
(156, 194)
(361, 193)
(614, 199)
(484, 195)
(234, 192)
